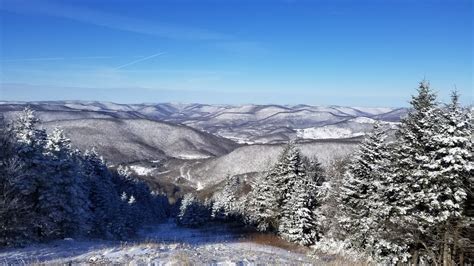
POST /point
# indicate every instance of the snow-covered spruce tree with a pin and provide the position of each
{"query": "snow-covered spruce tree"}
(262, 209)
(314, 170)
(299, 223)
(321, 193)
(67, 199)
(30, 144)
(285, 200)
(424, 190)
(192, 213)
(270, 190)
(289, 170)
(30, 137)
(105, 201)
(225, 201)
(16, 214)
(450, 168)
(330, 199)
(31, 150)
(361, 198)
(407, 179)
(300, 210)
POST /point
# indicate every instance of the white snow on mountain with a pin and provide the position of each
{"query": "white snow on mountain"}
(327, 132)
(242, 123)
(351, 128)
(141, 170)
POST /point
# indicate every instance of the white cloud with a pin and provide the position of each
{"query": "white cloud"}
(112, 21)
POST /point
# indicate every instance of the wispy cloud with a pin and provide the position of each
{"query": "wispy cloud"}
(112, 21)
(56, 58)
(139, 60)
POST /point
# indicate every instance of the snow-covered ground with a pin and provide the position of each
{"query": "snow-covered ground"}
(141, 170)
(350, 128)
(164, 244)
(327, 132)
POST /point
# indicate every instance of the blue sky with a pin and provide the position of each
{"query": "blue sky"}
(340, 52)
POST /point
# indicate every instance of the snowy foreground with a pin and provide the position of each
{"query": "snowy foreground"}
(165, 244)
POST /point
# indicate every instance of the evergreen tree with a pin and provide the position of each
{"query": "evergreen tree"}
(298, 223)
(191, 212)
(427, 178)
(314, 171)
(451, 161)
(30, 137)
(408, 181)
(287, 198)
(262, 205)
(450, 167)
(30, 144)
(31, 149)
(330, 199)
(16, 214)
(290, 169)
(68, 195)
(105, 200)
(225, 201)
(361, 199)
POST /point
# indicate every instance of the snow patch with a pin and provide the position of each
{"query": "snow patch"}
(141, 170)
(192, 156)
(326, 133)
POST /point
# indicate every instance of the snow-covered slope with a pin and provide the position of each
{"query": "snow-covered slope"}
(248, 160)
(354, 127)
(196, 142)
(129, 140)
(241, 123)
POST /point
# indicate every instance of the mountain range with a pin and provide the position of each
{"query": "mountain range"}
(202, 143)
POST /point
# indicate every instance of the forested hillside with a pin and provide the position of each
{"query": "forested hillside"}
(49, 190)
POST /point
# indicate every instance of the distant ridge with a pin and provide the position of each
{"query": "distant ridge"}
(241, 123)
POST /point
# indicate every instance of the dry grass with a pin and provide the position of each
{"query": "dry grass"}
(182, 259)
(274, 241)
(342, 261)
(322, 258)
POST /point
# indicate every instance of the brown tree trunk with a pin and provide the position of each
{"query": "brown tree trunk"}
(446, 259)
(414, 258)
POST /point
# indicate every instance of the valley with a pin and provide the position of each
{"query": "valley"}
(198, 145)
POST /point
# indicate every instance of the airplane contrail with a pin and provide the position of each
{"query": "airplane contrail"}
(139, 60)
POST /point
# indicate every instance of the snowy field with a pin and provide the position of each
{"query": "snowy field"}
(164, 244)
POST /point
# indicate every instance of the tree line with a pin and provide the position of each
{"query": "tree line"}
(48, 190)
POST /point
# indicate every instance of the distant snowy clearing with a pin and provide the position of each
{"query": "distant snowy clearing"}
(164, 244)
(141, 170)
(351, 128)
(328, 132)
